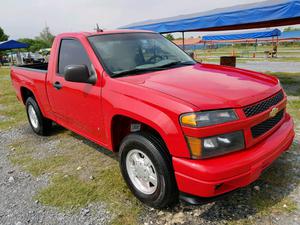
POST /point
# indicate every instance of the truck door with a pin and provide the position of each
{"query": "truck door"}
(77, 106)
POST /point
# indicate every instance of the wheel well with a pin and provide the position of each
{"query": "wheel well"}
(26, 93)
(122, 126)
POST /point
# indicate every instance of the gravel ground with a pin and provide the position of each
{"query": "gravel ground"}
(17, 188)
(18, 206)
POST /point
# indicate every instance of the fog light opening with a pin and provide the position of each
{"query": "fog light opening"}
(218, 186)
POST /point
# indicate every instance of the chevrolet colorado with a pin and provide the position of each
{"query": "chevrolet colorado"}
(178, 126)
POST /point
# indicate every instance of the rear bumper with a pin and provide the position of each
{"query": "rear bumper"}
(215, 176)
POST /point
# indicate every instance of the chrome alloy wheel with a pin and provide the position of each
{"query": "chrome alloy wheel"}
(33, 117)
(141, 171)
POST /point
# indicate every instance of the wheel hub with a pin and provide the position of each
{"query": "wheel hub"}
(141, 171)
(33, 117)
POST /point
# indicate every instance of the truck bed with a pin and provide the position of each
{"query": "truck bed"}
(31, 77)
(43, 67)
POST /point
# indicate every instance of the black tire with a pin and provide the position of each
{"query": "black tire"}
(43, 125)
(166, 193)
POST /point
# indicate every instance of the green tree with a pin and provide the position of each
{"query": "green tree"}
(44, 40)
(46, 36)
(34, 44)
(170, 37)
(3, 36)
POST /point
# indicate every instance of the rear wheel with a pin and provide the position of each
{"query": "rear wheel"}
(39, 124)
(147, 170)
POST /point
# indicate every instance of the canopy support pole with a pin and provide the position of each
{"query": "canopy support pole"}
(256, 45)
(183, 41)
(204, 49)
(12, 59)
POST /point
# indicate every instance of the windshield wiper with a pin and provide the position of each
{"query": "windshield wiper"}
(149, 69)
(133, 71)
(175, 63)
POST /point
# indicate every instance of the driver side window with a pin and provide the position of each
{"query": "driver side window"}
(72, 52)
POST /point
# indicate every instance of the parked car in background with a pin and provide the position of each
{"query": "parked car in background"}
(32, 58)
(180, 127)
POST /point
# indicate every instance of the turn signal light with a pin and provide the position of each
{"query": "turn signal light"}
(195, 147)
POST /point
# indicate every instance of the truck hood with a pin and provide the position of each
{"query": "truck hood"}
(209, 86)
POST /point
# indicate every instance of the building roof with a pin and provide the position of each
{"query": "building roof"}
(187, 41)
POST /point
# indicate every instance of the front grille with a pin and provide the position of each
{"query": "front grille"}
(266, 125)
(263, 105)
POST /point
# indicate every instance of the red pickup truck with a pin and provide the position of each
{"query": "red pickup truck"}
(179, 126)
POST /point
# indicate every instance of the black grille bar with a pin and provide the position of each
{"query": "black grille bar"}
(266, 125)
(263, 105)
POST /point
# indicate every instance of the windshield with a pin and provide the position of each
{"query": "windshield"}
(122, 54)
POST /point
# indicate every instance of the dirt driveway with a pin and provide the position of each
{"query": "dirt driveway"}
(66, 179)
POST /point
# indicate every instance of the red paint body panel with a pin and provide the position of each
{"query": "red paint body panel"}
(157, 99)
(210, 86)
(200, 177)
(34, 81)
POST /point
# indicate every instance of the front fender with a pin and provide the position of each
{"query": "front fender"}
(163, 121)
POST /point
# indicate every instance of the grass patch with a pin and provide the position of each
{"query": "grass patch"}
(12, 111)
(294, 110)
(23, 155)
(70, 167)
(276, 181)
(266, 204)
(38, 167)
(49, 164)
(68, 192)
(276, 184)
(289, 81)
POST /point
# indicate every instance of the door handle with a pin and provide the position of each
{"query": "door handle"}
(57, 85)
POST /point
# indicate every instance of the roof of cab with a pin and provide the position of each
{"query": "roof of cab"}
(87, 34)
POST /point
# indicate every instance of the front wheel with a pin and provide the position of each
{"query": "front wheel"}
(147, 170)
(39, 124)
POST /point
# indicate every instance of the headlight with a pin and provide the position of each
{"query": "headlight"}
(201, 148)
(207, 118)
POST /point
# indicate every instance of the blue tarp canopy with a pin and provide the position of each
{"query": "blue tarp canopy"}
(244, 35)
(290, 34)
(12, 44)
(256, 15)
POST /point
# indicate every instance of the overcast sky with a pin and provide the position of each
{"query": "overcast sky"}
(26, 18)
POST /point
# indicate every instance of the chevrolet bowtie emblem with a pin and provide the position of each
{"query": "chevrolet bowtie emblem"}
(273, 112)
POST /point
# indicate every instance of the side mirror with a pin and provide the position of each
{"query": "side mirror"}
(79, 74)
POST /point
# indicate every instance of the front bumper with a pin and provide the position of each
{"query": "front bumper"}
(215, 176)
